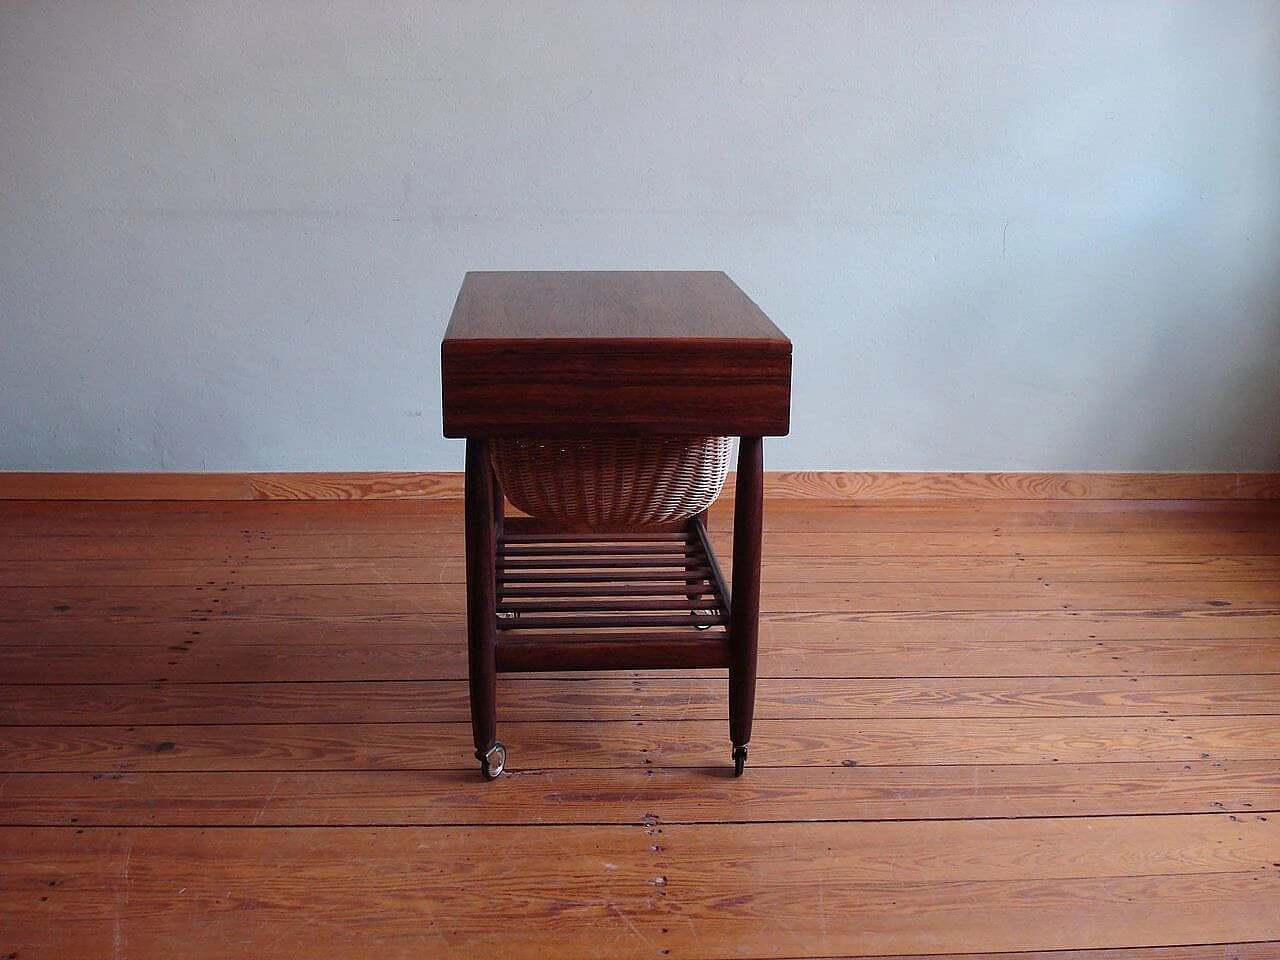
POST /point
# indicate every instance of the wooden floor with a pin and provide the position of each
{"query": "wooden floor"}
(240, 730)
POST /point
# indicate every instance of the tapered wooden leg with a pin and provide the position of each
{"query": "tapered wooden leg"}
(481, 605)
(744, 604)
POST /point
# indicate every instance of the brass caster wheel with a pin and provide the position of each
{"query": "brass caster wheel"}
(739, 759)
(492, 761)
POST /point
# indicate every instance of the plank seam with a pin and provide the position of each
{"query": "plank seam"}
(788, 485)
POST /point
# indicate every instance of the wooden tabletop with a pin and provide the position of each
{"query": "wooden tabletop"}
(616, 352)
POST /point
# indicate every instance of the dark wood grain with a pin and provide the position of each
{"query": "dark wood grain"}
(481, 534)
(614, 353)
(605, 305)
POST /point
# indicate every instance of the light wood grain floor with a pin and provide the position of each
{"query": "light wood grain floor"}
(1033, 728)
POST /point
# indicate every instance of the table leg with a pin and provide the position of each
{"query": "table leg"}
(744, 603)
(481, 606)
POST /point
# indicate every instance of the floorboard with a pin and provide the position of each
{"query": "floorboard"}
(1042, 730)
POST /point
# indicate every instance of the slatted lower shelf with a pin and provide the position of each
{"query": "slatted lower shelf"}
(609, 601)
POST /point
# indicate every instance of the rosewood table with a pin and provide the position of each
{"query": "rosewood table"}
(609, 354)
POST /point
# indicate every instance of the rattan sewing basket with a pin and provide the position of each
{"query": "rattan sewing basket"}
(597, 482)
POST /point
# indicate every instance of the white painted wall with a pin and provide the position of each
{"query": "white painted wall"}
(1003, 235)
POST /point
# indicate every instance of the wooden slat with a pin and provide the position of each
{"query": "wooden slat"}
(876, 486)
(654, 588)
(634, 891)
(525, 654)
(356, 600)
(296, 652)
(852, 629)
(101, 485)
(269, 571)
(1046, 848)
(1001, 548)
(964, 511)
(1065, 742)
(657, 605)
(440, 518)
(356, 486)
(847, 630)
(604, 620)
(516, 576)
(159, 486)
(523, 530)
(1243, 792)
(655, 697)
(1155, 621)
(616, 554)
(882, 486)
(829, 652)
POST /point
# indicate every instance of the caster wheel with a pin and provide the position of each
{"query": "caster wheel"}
(703, 613)
(492, 761)
(739, 759)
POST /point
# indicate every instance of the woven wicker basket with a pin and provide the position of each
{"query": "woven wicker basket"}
(612, 481)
